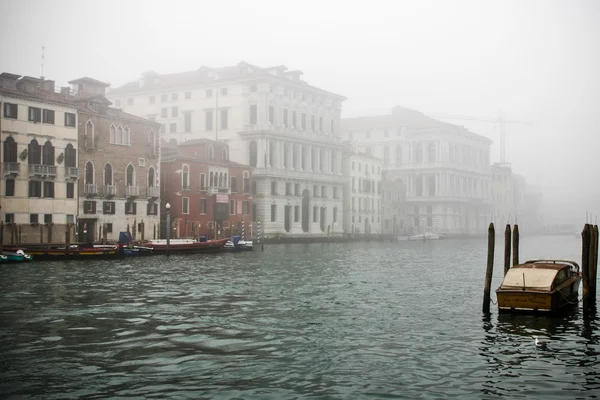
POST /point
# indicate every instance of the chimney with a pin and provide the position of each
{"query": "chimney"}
(65, 91)
(48, 86)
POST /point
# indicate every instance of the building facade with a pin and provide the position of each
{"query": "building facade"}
(285, 129)
(119, 164)
(445, 168)
(208, 194)
(393, 206)
(362, 193)
(40, 156)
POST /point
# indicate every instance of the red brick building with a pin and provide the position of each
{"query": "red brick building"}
(208, 194)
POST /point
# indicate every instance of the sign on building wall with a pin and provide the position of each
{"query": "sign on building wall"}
(222, 198)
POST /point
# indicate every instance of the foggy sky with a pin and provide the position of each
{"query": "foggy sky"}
(534, 60)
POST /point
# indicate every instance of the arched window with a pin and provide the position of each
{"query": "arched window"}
(130, 176)
(88, 138)
(108, 174)
(220, 179)
(113, 134)
(225, 154)
(211, 180)
(431, 152)
(70, 156)
(10, 150)
(126, 136)
(35, 152)
(185, 177)
(151, 180)
(211, 152)
(89, 173)
(48, 154)
(119, 139)
(152, 142)
(253, 154)
(225, 181)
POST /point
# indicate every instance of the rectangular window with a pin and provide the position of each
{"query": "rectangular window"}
(273, 187)
(173, 127)
(174, 111)
(35, 114)
(323, 191)
(151, 209)
(187, 121)
(315, 213)
(315, 191)
(70, 119)
(188, 95)
(35, 189)
(294, 119)
(233, 184)
(208, 92)
(296, 213)
(253, 114)
(297, 189)
(335, 195)
(70, 218)
(185, 205)
(163, 98)
(108, 207)
(253, 212)
(246, 207)
(334, 214)
(47, 218)
(152, 99)
(109, 228)
(202, 206)
(253, 187)
(202, 181)
(33, 219)
(224, 122)
(9, 218)
(89, 207)
(48, 116)
(130, 208)
(208, 120)
(164, 112)
(303, 121)
(174, 96)
(49, 189)
(231, 207)
(10, 187)
(70, 190)
(288, 189)
(273, 212)
(11, 110)
(272, 114)
(246, 185)
(285, 117)
(224, 91)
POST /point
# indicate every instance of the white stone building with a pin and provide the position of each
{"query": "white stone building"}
(272, 120)
(39, 149)
(362, 193)
(445, 168)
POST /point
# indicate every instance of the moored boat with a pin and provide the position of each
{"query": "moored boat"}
(236, 244)
(540, 285)
(15, 257)
(72, 252)
(425, 236)
(159, 246)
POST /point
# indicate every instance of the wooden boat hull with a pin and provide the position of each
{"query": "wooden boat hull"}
(11, 258)
(41, 254)
(188, 248)
(544, 301)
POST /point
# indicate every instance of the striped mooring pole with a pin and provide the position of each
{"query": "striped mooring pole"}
(243, 229)
(262, 247)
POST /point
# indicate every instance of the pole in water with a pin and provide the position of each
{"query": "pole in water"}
(507, 244)
(593, 264)
(490, 268)
(516, 245)
(585, 265)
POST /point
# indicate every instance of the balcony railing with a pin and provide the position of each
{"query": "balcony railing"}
(132, 191)
(153, 192)
(42, 170)
(90, 189)
(10, 168)
(71, 172)
(110, 190)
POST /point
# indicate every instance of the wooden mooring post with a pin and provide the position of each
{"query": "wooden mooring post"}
(586, 239)
(515, 245)
(507, 245)
(593, 264)
(490, 268)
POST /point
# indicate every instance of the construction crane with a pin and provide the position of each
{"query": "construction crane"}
(500, 120)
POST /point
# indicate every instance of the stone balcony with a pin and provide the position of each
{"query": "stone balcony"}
(71, 173)
(90, 190)
(42, 170)
(110, 191)
(132, 191)
(153, 192)
(10, 169)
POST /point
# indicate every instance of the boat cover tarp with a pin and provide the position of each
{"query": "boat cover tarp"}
(535, 278)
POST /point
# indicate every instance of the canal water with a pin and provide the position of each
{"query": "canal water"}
(323, 321)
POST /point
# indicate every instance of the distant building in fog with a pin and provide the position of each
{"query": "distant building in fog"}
(445, 168)
(270, 119)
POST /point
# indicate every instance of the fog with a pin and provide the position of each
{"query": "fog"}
(534, 60)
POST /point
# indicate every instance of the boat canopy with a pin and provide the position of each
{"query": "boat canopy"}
(535, 278)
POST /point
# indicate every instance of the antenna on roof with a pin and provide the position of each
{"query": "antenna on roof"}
(42, 62)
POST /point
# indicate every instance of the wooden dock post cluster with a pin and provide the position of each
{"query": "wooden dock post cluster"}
(589, 265)
(490, 258)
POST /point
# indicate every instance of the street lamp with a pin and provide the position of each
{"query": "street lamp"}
(168, 207)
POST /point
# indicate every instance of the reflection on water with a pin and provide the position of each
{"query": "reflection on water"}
(396, 320)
